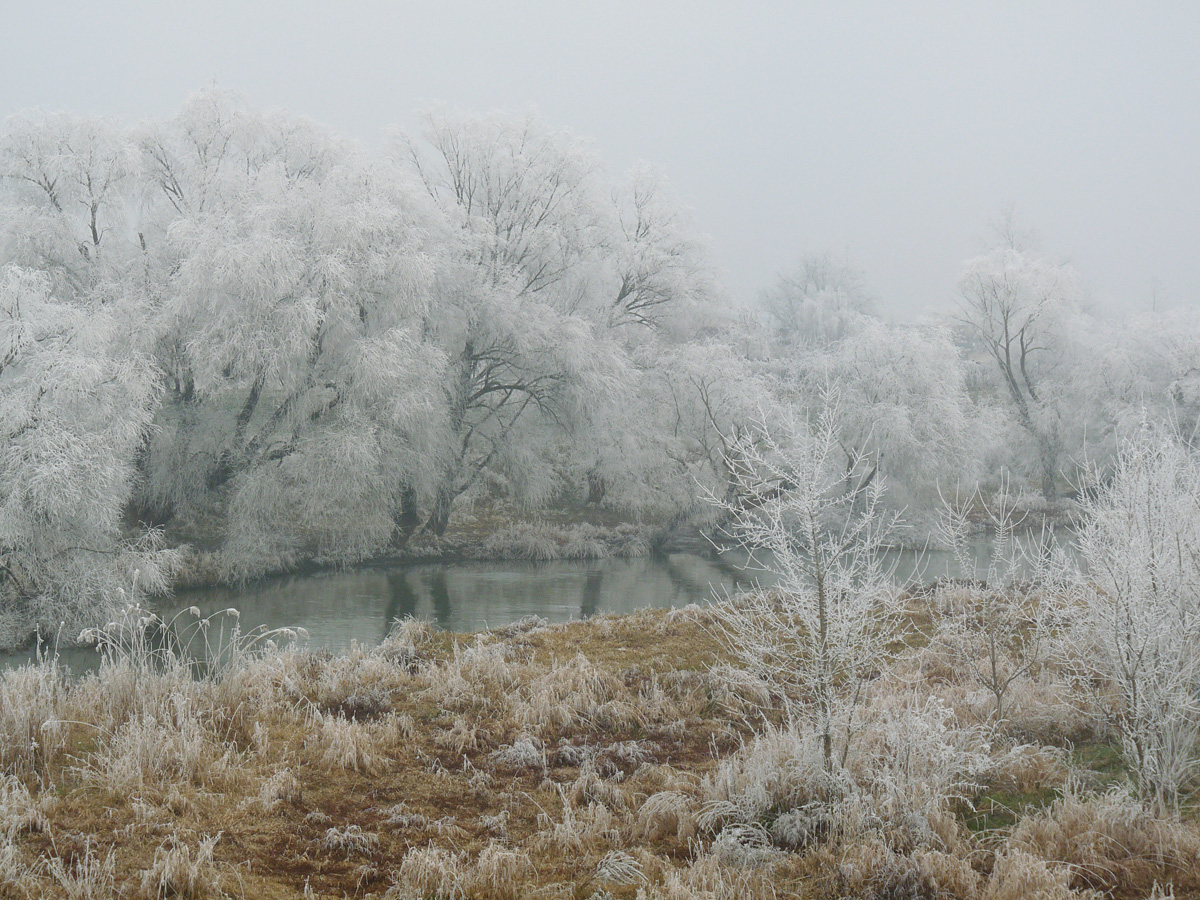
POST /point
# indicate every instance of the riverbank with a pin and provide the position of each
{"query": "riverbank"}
(202, 563)
(606, 758)
(537, 541)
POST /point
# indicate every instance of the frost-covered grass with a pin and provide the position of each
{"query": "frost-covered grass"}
(606, 758)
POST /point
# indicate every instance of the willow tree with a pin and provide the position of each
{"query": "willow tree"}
(74, 408)
(898, 396)
(68, 185)
(527, 222)
(818, 303)
(656, 274)
(300, 387)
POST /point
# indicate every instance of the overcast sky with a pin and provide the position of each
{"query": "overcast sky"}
(889, 134)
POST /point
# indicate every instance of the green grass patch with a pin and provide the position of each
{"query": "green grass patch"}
(998, 810)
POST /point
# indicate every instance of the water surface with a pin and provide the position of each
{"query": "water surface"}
(360, 605)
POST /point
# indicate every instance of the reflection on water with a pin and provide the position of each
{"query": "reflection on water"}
(360, 605)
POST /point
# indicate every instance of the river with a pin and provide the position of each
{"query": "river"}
(360, 604)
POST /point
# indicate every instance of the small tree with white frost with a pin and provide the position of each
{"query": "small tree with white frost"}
(1140, 639)
(826, 628)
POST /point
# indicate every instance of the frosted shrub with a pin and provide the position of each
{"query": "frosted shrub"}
(831, 621)
(475, 677)
(523, 754)
(146, 751)
(429, 871)
(350, 745)
(630, 542)
(31, 699)
(1139, 636)
(532, 542)
(500, 873)
(1108, 838)
(871, 869)
(406, 643)
(667, 813)
(350, 840)
(568, 695)
(589, 787)
(1018, 875)
(179, 870)
(911, 762)
(1027, 768)
(743, 846)
(914, 761)
(17, 879)
(584, 543)
(588, 826)
(780, 770)
(19, 811)
(1001, 629)
(804, 825)
(707, 877)
(281, 787)
(618, 867)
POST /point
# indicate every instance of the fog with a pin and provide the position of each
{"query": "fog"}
(889, 138)
(504, 316)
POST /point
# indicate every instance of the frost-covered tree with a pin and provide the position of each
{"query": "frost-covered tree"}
(673, 428)
(73, 414)
(1018, 306)
(820, 302)
(522, 314)
(999, 624)
(1139, 643)
(656, 271)
(709, 398)
(200, 159)
(523, 197)
(653, 290)
(302, 391)
(1146, 369)
(902, 408)
(827, 625)
(517, 367)
(69, 185)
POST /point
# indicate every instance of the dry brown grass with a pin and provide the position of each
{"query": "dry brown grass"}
(599, 759)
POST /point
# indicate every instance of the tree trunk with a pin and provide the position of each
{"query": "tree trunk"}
(825, 686)
(406, 518)
(233, 456)
(596, 487)
(442, 505)
(1046, 455)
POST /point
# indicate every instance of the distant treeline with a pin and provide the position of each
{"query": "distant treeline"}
(238, 325)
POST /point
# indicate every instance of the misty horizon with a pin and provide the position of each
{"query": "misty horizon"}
(889, 141)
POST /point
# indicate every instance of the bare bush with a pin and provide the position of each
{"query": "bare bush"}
(1139, 641)
(1000, 628)
(829, 623)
